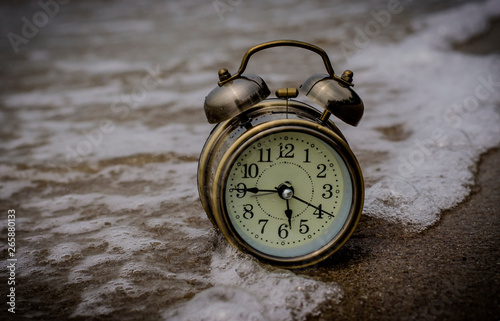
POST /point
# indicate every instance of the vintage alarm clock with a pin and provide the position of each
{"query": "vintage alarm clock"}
(276, 176)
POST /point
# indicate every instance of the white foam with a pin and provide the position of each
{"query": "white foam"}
(271, 295)
(449, 125)
(71, 144)
(83, 271)
(36, 98)
(81, 227)
(8, 189)
(113, 27)
(64, 252)
(104, 67)
(453, 28)
(223, 303)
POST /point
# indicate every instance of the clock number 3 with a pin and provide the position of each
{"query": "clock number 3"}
(328, 191)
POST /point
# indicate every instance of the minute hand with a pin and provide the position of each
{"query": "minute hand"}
(307, 203)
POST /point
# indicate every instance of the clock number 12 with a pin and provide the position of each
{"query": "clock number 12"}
(286, 151)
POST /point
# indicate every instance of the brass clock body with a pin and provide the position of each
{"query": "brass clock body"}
(276, 176)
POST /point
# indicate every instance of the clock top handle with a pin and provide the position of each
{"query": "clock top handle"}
(285, 43)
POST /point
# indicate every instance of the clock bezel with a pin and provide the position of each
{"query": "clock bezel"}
(220, 214)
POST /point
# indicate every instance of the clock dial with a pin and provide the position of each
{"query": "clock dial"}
(288, 194)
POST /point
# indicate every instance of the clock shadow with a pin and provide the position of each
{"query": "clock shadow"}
(369, 237)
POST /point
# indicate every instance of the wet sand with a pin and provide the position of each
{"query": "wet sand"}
(448, 272)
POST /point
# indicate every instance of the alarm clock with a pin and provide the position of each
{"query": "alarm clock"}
(276, 176)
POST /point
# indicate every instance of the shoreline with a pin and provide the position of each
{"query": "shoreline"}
(450, 271)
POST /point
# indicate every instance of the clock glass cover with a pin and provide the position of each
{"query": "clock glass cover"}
(288, 193)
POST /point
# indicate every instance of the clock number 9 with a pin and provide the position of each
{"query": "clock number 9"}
(242, 190)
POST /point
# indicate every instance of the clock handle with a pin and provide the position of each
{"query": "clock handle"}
(288, 43)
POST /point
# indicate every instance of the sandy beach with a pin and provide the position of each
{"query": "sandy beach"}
(102, 124)
(449, 272)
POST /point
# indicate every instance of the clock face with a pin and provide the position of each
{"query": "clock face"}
(288, 194)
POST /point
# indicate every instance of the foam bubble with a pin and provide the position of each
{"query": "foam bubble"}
(443, 125)
(272, 294)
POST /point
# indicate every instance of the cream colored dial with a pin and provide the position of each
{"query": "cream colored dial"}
(288, 194)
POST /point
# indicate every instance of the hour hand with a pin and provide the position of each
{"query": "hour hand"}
(288, 213)
(253, 190)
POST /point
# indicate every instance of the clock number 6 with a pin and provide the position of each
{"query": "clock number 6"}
(282, 231)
